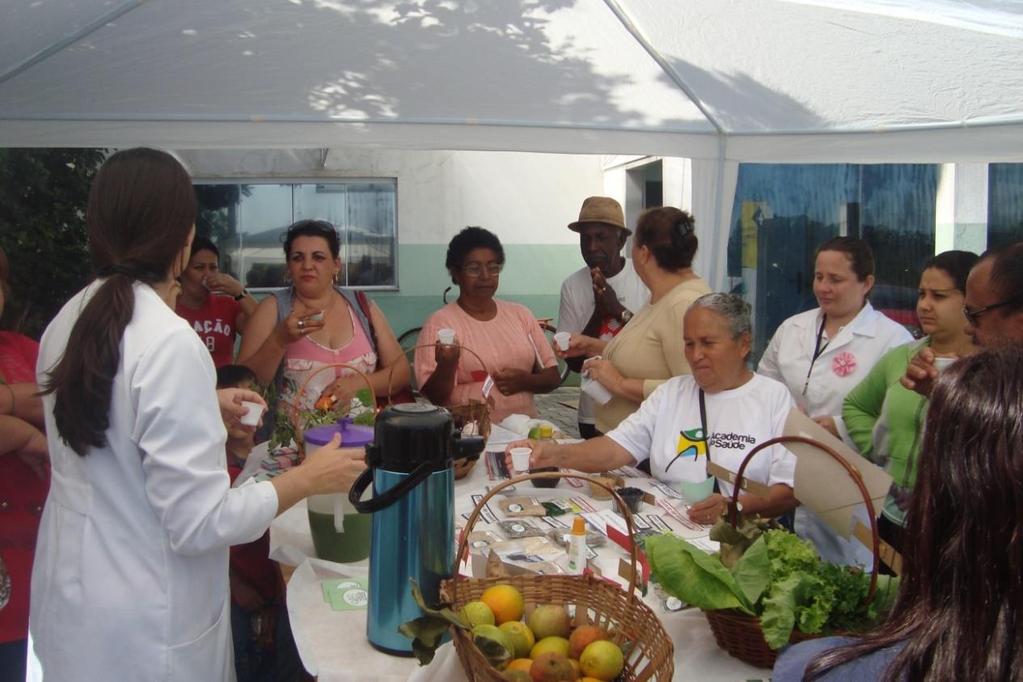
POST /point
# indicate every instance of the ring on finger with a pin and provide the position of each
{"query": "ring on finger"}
(301, 324)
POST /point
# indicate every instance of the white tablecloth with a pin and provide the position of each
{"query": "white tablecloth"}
(334, 647)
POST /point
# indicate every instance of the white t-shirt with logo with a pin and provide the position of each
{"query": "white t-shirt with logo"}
(667, 429)
(577, 306)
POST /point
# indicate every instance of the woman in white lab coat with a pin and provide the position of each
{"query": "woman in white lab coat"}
(130, 580)
(822, 354)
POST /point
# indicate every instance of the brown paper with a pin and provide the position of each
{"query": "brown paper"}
(823, 485)
(752, 487)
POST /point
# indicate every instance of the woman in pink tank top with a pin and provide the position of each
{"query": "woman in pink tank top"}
(321, 328)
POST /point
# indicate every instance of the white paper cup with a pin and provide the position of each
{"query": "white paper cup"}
(446, 336)
(942, 363)
(562, 339)
(520, 459)
(253, 412)
(595, 390)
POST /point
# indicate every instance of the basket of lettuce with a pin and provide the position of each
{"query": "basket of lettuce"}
(766, 587)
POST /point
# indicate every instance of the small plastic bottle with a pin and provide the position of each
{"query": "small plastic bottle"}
(577, 547)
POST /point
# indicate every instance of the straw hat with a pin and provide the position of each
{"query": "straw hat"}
(601, 210)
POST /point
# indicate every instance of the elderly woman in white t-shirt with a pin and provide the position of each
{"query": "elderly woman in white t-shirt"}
(742, 409)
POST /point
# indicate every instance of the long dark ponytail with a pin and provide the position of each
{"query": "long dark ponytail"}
(141, 211)
(958, 614)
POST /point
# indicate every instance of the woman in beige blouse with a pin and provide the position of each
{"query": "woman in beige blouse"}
(648, 351)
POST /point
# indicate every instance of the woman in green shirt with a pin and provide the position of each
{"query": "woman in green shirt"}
(883, 418)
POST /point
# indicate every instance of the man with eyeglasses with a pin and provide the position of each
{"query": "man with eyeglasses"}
(599, 299)
(993, 307)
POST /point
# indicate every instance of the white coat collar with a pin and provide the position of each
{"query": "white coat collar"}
(864, 324)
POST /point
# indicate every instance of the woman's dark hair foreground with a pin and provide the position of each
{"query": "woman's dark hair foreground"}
(141, 210)
(959, 614)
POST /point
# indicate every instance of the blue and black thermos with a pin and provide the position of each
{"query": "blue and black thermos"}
(413, 536)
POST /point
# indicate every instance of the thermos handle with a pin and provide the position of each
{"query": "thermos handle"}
(386, 499)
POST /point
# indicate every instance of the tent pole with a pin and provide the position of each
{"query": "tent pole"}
(668, 69)
(71, 39)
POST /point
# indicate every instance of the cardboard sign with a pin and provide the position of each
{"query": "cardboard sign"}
(824, 486)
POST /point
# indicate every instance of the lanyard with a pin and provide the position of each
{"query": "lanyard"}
(817, 350)
(703, 424)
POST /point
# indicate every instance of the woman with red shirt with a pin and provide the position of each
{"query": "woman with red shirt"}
(214, 303)
(23, 484)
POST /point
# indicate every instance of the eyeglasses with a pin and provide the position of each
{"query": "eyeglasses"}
(476, 270)
(972, 315)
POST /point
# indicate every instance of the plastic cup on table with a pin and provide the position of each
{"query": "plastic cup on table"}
(446, 336)
(520, 459)
(696, 491)
(253, 411)
(562, 339)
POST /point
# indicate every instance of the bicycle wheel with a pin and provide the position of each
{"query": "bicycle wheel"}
(409, 339)
(549, 331)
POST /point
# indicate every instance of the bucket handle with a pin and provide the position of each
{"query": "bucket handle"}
(384, 500)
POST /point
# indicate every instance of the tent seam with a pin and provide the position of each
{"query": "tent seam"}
(69, 40)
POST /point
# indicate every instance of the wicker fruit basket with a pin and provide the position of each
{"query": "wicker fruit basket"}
(649, 654)
(739, 633)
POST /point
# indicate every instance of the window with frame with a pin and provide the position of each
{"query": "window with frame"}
(248, 221)
(783, 211)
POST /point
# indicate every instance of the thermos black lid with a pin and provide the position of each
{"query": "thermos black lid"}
(409, 434)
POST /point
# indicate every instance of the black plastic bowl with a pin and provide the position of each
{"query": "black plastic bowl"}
(631, 496)
(545, 482)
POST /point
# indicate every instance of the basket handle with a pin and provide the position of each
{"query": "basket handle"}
(854, 474)
(295, 406)
(463, 542)
(390, 374)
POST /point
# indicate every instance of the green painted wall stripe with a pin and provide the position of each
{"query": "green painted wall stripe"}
(532, 276)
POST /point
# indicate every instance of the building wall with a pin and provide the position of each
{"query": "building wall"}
(526, 199)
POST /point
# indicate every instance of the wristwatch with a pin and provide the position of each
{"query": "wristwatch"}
(626, 315)
(245, 292)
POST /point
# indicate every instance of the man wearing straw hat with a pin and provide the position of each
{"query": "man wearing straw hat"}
(599, 299)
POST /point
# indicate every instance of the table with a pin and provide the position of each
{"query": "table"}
(333, 644)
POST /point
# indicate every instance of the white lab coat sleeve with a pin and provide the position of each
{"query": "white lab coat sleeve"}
(768, 365)
(181, 439)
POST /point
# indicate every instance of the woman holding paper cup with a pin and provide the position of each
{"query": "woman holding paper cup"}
(313, 323)
(214, 303)
(716, 415)
(885, 419)
(645, 353)
(130, 574)
(505, 336)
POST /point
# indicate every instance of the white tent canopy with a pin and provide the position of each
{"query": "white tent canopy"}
(740, 80)
(718, 81)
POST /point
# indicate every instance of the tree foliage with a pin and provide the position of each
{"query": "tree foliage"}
(43, 195)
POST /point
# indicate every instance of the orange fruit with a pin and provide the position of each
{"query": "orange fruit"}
(520, 664)
(583, 636)
(505, 601)
(602, 659)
